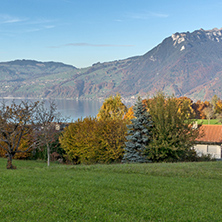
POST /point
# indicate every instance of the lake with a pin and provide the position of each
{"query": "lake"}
(78, 108)
(72, 108)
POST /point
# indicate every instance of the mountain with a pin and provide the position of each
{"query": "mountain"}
(186, 64)
(29, 78)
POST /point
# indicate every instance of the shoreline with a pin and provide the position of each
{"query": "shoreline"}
(124, 100)
(37, 98)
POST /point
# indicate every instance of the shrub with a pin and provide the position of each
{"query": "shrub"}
(92, 141)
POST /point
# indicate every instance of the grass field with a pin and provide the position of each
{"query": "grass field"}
(211, 122)
(120, 192)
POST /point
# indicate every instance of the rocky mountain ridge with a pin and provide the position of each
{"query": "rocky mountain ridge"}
(185, 64)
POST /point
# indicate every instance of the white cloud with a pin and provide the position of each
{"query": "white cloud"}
(31, 30)
(147, 15)
(24, 25)
(118, 20)
(91, 45)
(40, 21)
(159, 15)
(49, 26)
(4, 19)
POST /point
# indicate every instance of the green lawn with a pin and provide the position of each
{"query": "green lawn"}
(205, 121)
(120, 192)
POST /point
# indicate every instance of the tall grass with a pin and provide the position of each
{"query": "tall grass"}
(121, 192)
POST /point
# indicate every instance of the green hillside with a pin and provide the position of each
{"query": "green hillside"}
(184, 64)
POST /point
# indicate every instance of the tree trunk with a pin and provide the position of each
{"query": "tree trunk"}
(48, 154)
(9, 162)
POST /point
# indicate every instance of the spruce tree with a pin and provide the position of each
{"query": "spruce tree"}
(139, 134)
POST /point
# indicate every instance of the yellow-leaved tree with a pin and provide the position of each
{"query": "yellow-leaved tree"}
(97, 140)
(91, 141)
(79, 141)
(130, 114)
(112, 108)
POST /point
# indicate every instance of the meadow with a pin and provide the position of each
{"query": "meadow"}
(117, 192)
(208, 122)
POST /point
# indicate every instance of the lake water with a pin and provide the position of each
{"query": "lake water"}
(77, 109)
(72, 108)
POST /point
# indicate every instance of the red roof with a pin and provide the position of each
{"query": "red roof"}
(210, 133)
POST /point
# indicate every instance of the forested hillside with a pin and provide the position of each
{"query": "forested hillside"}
(185, 64)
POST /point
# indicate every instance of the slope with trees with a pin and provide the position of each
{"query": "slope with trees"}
(185, 64)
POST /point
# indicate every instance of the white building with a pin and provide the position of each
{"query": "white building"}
(210, 141)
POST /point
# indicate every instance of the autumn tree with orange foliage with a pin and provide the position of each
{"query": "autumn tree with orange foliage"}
(218, 108)
(130, 113)
(24, 144)
(199, 107)
(15, 122)
(20, 124)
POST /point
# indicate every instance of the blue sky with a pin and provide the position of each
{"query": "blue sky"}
(83, 32)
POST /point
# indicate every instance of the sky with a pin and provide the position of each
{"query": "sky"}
(84, 32)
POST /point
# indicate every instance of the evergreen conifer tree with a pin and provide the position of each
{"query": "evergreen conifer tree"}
(139, 134)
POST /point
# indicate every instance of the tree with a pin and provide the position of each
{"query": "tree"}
(47, 120)
(27, 120)
(198, 107)
(16, 121)
(139, 134)
(79, 141)
(112, 108)
(90, 140)
(173, 134)
(186, 106)
(26, 141)
(218, 109)
(130, 114)
(111, 136)
(209, 113)
(214, 101)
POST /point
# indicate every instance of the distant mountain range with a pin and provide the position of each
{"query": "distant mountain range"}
(185, 64)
